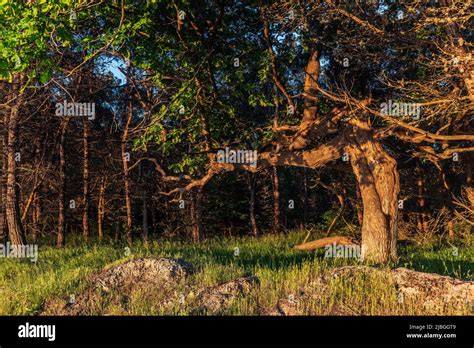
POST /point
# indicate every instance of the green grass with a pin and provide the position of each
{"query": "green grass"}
(58, 273)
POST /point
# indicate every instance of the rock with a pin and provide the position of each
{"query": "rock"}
(434, 290)
(144, 271)
(269, 312)
(113, 287)
(216, 298)
(288, 307)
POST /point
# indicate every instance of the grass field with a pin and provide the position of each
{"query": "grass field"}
(25, 286)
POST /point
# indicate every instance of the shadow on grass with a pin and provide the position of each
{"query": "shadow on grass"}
(278, 255)
(280, 259)
(457, 269)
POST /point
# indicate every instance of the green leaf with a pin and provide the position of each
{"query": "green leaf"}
(45, 76)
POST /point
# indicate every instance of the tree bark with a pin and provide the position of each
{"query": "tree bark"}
(251, 178)
(36, 216)
(194, 231)
(117, 229)
(468, 170)
(422, 220)
(144, 217)
(196, 213)
(15, 227)
(198, 226)
(85, 182)
(276, 201)
(101, 209)
(153, 219)
(3, 187)
(126, 176)
(60, 241)
(377, 176)
(360, 213)
(305, 197)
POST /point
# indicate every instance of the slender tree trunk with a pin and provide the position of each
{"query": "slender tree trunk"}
(3, 187)
(36, 195)
(199, 202)
(468, 170)
(196, 213)
(377, 176)
(422, 216)
(145, 217)
(276, 178)
(117, 229)
(153, 219)
(251, 178)
(15, 227)
(60, 242)
(305, 197)
(126, 176)
(194, 231)
(36, 215)
(445, 190)
(85, 182)
(101, 209)
(276, 201)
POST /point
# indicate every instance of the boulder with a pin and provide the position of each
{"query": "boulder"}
(114, 286)
(434, 290)
(216, 298)
(144, 271)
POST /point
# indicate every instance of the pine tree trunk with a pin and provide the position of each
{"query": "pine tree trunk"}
(194, 230)
(422, 216)
(85, 182)
(15, 227)
(101, 209)
(199, 202)
(145, 217)
(36, 199)
(377, 176)
(196, 213)
(276, 201)
(36, 215)
(117, 229)
(126, 176)
(468, 170)
(60, 241)
(251, 178)
(153, 219)
(3, 187)
(305, 196)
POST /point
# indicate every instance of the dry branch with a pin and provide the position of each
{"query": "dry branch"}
(320, 243)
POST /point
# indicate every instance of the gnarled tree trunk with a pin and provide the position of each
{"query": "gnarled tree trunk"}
(376, 173)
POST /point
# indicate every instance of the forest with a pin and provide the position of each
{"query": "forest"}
(271, 144)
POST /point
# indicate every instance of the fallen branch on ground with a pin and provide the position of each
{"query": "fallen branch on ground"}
(320, 243)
